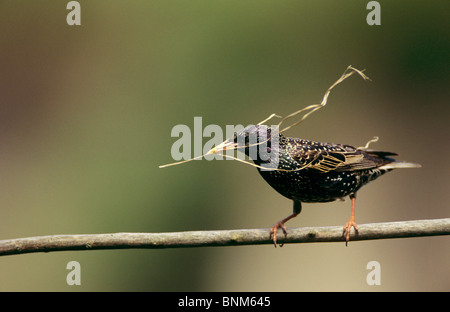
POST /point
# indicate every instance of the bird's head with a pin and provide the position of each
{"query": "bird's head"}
(251, 138)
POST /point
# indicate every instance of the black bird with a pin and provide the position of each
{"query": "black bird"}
(308, 171)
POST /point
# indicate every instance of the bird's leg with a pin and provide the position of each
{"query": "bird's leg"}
(351, 223)
(274, 229)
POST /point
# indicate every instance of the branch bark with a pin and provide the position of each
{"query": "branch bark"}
(371, 231)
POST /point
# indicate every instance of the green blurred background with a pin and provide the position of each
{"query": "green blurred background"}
(86, 114)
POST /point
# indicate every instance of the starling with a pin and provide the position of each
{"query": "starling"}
(308, 171)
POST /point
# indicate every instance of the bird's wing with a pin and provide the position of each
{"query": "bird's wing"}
(328, 157)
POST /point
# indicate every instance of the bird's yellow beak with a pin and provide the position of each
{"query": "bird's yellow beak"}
(224, 146)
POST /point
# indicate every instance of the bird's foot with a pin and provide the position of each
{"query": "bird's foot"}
(274, 230)
(347, 228)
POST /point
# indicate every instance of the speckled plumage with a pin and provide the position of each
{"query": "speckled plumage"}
(321, 182)
(308, 171)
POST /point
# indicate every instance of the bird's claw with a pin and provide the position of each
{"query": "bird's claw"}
(274, 230)
(347, 228)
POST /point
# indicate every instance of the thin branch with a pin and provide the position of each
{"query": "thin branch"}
(371, 231)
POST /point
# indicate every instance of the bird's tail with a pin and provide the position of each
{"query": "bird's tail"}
(391, 163)
(400, 164)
